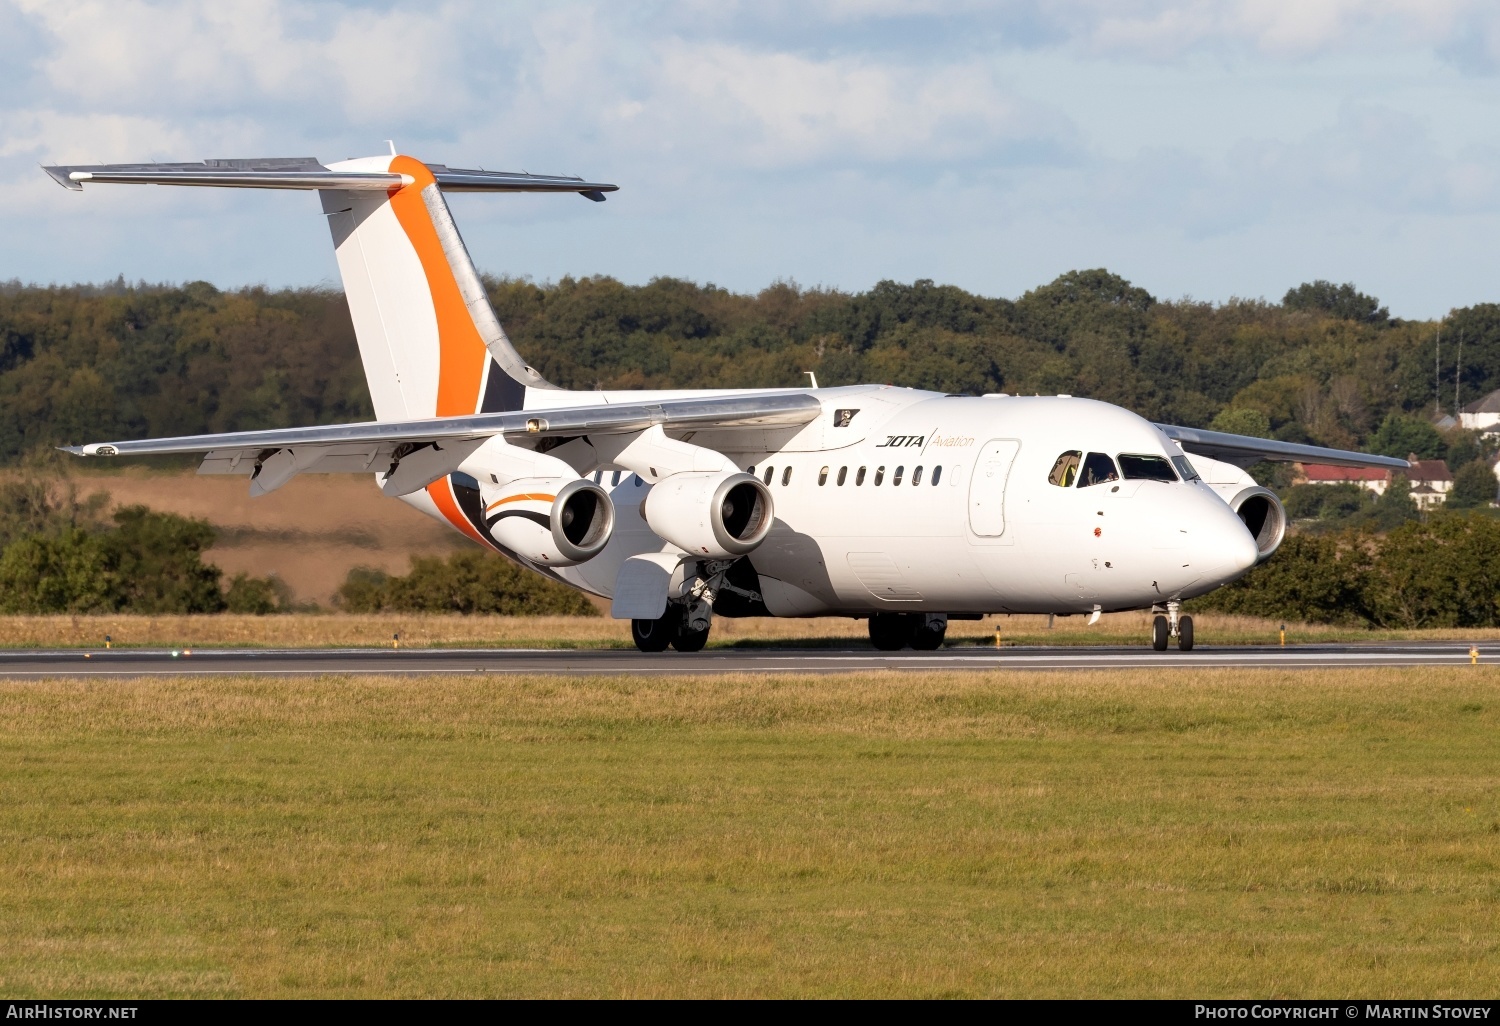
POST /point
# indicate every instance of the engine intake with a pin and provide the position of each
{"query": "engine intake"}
(549, 520)
(714, 515)
(1262, 513)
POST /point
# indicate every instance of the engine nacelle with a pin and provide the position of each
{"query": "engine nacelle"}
(1264, 516)
(550, 520)
(717, 515)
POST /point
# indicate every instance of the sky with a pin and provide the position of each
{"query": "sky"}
(1201, 149)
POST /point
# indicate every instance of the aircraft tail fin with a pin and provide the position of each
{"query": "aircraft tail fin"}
(429, 340)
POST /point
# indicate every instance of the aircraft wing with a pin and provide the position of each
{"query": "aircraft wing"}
(1245, 450)
(362, 446)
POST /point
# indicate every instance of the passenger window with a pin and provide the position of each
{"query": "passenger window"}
(859, 478)
(1145, 468)
(896, 478)
(770, 473)
(916, 477)
(598, 476)
(822, 477)
(786, 477)
(1065, 470)
(750, 470)
(937, 475)
(1097, 469)
(614, 479)
(843, 473)
(879, 475)
(1185, 468)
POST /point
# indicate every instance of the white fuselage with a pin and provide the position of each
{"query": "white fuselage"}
(930, 503)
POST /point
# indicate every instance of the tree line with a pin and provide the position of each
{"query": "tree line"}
(1326, 365)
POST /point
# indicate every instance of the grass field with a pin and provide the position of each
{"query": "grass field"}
(418, 630)
(1133, 833)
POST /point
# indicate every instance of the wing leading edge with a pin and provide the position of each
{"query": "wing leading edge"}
(1245, 450)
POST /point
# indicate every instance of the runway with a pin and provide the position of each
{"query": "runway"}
(151, 662)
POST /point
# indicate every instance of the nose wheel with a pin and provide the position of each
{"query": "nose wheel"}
(1172, 625)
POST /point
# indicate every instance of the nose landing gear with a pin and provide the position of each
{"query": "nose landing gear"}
(1172, 625)
(891, 632)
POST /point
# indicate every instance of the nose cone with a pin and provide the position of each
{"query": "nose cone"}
(1229, 546)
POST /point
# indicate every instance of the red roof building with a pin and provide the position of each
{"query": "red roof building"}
(1373, 478)
(1430, 479)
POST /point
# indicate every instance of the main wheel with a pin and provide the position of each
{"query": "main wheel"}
(929, 638)
(1185, 634)
(890, 632)
(690, 641)
(1160, 633)
(655, 635)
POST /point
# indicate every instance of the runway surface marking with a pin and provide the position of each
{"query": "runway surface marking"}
(151, 662)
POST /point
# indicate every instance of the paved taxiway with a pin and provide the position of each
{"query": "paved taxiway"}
(142, 662)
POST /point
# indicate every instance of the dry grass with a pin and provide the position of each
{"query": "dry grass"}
(310, 533)
(1154, 834)
(418, 630)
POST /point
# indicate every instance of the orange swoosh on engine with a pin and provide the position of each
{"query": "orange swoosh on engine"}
(524, 496)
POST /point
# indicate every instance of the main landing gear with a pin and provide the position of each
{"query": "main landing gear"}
(891, 632)
(1172, 625)
(674, 628)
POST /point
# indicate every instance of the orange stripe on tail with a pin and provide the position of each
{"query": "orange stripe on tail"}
(462, 353)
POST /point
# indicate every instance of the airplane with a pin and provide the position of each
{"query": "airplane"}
(904, 507)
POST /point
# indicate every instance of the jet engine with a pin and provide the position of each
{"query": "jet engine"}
(716, 515)
(550, 520)
(1264, 516)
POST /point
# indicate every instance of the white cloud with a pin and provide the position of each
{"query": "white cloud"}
(779, 109)
(830, 140)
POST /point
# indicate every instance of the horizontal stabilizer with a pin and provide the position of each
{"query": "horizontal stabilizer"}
(308, 173)
(1245, 450)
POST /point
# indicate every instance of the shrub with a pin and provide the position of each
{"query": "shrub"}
(255, 595)
(465, 582)
(70, 572)
(1442, 572)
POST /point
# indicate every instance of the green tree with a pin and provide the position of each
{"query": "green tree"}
(1392, 507)
(1342, 301)
(1400, 435)
(1242, 421)
(1474, 485)
(158, 559)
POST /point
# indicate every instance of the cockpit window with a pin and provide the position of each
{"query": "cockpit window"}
(1185, 468)
(1146, 468)
(1097, 469)
(1065, 470)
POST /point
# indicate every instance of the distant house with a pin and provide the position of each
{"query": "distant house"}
(1372, 478)
(1482, 414)
(1431, 480)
